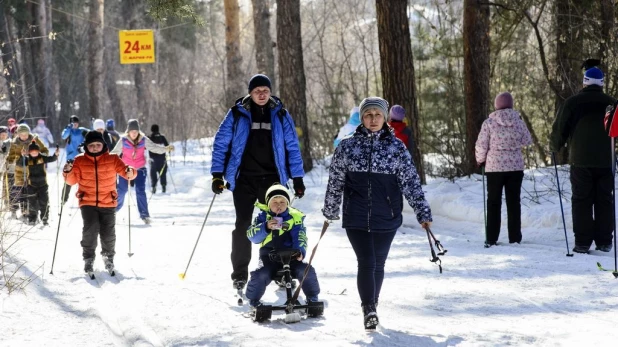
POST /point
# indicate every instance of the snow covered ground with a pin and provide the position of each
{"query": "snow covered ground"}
(517, 295)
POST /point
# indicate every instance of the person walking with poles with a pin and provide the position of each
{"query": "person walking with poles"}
(38, 190)
(580, 124)
(74, 135)
(5, 145)
(256, 145)
(95, 172)
(371, 171)
(498, 147)
(158, 162)
(110, 124)
(132, 148)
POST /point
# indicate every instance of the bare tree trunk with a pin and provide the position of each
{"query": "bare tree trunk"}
(111, 87)
(292, 71)
(264, 55)
(11, 66)
(232, 48)
(95, 57)
(476, 73)
(607, 26)
(397, 66)
(569, 40)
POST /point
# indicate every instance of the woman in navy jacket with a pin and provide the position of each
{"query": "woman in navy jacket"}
(372, 170)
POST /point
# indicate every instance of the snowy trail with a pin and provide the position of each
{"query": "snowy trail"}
(516, 295)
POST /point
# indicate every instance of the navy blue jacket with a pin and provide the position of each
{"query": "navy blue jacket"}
(231, 139)
(373, 172)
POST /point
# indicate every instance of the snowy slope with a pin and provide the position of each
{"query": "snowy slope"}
(517, 295)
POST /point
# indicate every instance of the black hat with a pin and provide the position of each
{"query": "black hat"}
(74, 119)
(133, 124)
(277, 190)
(34, 147)
(93, 136)
(154, 128)
(4, 129)
(259, 80)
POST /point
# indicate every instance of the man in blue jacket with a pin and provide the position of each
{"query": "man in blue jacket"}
(73, 134)
(256, 146)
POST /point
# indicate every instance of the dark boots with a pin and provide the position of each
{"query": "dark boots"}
(370, 317)
(154, 190)
(162, 188)
(88, 265)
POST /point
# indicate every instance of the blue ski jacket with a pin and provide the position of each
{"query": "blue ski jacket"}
(231, 139)
(75, 138)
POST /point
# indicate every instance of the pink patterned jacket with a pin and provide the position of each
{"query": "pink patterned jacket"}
(500, 141)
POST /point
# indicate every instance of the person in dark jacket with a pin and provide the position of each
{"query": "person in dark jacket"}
(580, 124)
(256, 145)
(99, 126)
(372, 170)
(74, 136)
(279, 226)
(38, 194)
(110, 125)
(402, 131)
(158, 162)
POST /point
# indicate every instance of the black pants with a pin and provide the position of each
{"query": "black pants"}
(158, 168)
(511, 182)
(67, 192)
(246, 192)
(38, 200)
(592, 205)
(98, 221)
(371, 250)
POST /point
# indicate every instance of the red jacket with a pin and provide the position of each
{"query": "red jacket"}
(96, 177)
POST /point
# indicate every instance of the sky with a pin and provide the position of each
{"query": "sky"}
(528, 294)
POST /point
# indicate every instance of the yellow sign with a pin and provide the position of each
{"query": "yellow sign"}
(136, 46)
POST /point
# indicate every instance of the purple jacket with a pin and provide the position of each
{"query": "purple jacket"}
(500, 141)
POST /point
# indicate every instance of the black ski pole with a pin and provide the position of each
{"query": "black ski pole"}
(439, 247)
(58, 231)
(484, 205)
(566, 239)
(182, 275)
(300, 285)
(434, 257)
(130, 254)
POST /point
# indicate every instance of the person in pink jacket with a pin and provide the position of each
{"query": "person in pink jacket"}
(499, 149)
(132, 148)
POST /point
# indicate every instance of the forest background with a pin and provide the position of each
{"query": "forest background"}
(443, 60)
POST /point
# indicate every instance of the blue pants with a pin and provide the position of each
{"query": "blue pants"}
(371, 250)
(266, 271)
(140, 191)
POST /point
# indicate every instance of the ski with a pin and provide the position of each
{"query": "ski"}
(609, 270)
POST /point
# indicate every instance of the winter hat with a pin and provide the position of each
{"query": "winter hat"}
(259, 80)
(133, 124)
(277, 190)
(98, 124)
(354, 116)
(4, 129)
(93, 136)
(503, 100)
(34, 147)
(22, 128)
(593, 76)
(154, 128)
(74, 119)
(110, 124)
(397, 113)
(374, 102)
(41, 122)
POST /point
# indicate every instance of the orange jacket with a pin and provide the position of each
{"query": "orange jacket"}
(96, 177)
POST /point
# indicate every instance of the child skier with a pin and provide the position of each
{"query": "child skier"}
(276, 227)
(38, 195)
(95, 171)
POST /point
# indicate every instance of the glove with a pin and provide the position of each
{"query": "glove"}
(217, 183)
(328, 216)
(170, 148)
(67, 167)
(299, 187)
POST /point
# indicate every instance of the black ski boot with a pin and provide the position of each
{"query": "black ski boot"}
(109, 264)
(162, 189)
(88, 269)
(239, 285)
(371, 317)
(154, 190)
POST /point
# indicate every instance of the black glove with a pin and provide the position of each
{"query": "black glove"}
(217, 183)
(3, 149)
(299, 187)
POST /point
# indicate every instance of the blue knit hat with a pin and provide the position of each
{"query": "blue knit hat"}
(374, 102)
(398, 113)
(593, 76)
(259, 80)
